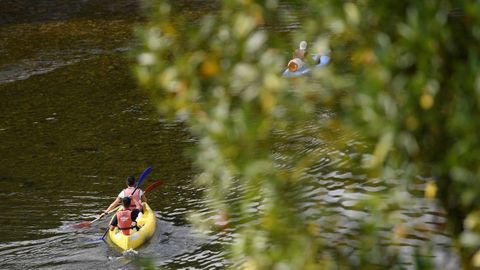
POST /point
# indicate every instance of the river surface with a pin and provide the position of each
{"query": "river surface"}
(74, 125)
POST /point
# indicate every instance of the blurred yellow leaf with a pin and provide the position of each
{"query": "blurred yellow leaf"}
(472, 221)
(400, 230)
(210, 68)
(353, 15)
(268, 101)
(250, 265)
(476, 259)
(363, 57)
(430, 190)
(169, 30)
(426, 101)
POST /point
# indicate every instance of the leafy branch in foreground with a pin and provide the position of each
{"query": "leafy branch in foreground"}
(404, 76)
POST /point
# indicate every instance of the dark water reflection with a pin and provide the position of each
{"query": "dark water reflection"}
(40, 11)
(73, 125)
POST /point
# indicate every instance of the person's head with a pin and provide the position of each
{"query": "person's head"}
(130, 181)
(303, 45)
(126, 202)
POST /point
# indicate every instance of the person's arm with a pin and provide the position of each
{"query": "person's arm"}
(138, 205)
(112, 206)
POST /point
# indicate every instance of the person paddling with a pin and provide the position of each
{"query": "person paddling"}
(298, 57)
(126, 218)
(138, 195)
(301, 51)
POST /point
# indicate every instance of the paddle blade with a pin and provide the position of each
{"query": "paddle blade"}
(82, 225)
(143, 176)
(153, 186)
(87, 224)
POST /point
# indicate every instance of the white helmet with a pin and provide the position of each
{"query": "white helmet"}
(303, 45)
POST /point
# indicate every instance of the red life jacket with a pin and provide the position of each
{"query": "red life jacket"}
(128, 191)
(124, 219)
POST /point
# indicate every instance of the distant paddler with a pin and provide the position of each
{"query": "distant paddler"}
(298, 57)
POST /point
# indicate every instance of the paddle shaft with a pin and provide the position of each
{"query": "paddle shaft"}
(105, 233)
(109, 212)
(142, 177)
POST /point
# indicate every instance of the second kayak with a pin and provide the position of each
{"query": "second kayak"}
(323, 60)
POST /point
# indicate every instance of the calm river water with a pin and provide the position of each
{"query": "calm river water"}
(74, 125)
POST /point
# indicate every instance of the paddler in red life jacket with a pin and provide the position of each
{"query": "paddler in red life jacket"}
(139, 196)
(125, 219)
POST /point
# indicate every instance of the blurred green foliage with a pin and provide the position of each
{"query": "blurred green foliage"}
(404, 76)
(415, 91)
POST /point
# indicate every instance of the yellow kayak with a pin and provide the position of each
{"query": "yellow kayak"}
(147, 223)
